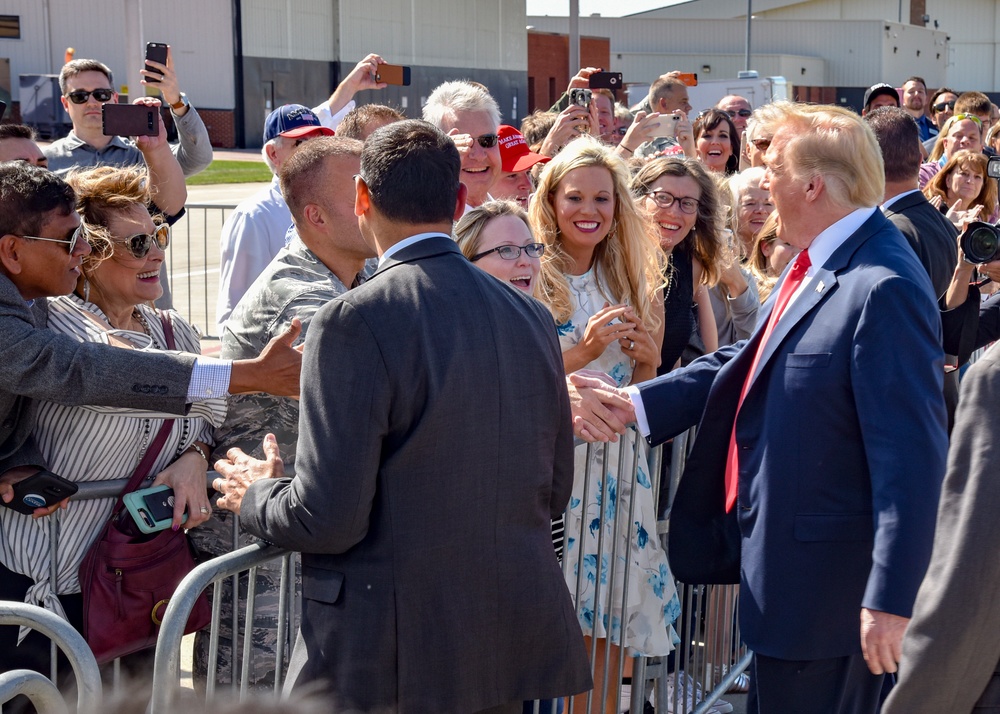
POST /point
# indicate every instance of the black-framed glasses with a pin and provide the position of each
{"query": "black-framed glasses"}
(487, 141)
(80, 96)
(745, 113)
(941, 106)
(513, 252)
(139, 244)
(79, 234)
(761, 144)
(664, 199)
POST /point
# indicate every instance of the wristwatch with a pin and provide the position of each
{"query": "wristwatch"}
(180, 103)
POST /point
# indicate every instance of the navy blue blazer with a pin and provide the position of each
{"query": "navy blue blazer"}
(842, 444)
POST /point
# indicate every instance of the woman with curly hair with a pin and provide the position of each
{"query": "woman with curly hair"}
(962, 186)
(683, 201)
(601, 279)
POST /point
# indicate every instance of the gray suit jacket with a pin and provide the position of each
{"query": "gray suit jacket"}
(38, 364)
(952, 646)
(435, 443)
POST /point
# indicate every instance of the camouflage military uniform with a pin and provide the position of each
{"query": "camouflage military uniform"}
(294, 284)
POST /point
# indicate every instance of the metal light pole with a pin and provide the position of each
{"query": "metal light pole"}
(749, 16)
(574, 36)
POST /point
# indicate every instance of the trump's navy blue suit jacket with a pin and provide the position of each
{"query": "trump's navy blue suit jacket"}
(842, 443)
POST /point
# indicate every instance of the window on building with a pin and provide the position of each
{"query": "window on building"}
(10, 27)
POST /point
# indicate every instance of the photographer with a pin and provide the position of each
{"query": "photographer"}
(969, 323)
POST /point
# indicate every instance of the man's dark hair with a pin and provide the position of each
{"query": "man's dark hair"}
(357, 123)
(75, 67)
(915, 78)
(301, 175)
(28, 194)
(412, 169)
(17, 131)
(899, 138)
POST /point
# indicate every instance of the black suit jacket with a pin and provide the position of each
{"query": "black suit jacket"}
(931, 235)
(435, 443)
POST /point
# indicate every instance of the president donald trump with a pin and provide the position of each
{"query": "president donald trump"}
(814, 478)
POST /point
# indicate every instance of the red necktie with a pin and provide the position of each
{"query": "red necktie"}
(792, 281)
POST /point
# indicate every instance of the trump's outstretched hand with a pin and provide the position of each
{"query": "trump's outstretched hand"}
(238, 470)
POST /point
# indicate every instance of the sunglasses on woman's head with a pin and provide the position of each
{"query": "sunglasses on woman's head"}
(81, 96)
(139, 245)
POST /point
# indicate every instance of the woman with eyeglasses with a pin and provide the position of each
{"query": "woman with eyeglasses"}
(682, 200)
(496, 237)
(717, 141)
(962, 131)
(112, 304)
(601, 280)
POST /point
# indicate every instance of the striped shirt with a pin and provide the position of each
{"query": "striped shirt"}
(94, 444)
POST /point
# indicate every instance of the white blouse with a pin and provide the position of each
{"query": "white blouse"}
(95, 444)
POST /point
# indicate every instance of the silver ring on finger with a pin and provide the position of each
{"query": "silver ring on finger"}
(631, 345)
(205, 510)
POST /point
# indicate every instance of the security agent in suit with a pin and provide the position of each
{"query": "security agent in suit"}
(435, 444)
(40, 256)
(951, 652)
(840, 439)
(931, 235)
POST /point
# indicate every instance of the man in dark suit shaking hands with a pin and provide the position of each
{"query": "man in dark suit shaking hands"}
(815, 474)
(434, 446)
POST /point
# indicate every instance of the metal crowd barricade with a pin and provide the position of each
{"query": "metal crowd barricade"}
(42, 690)
(166, 667)
(193, 263)
(709, 657)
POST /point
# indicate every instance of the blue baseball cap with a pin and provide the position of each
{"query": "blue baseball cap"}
(293, 120)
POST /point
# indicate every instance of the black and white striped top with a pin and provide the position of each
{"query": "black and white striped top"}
(94, 444)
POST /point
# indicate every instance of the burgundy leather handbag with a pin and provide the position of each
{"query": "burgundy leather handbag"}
(127, 577)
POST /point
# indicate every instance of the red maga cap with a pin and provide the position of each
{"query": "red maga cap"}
(515, 156)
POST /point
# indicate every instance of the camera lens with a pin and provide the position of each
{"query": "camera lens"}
(980, 243)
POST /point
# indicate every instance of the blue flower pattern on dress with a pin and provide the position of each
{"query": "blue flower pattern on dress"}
(651, 604)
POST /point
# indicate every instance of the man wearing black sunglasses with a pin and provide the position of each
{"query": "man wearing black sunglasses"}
(471, 117)
(738, 109)
(86, 86)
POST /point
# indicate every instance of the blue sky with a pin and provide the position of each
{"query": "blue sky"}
(588, 7)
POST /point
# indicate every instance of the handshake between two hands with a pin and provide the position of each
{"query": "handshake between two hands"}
(600, 410)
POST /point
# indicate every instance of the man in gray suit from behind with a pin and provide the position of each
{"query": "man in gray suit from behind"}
(951, 650)
(435, 444)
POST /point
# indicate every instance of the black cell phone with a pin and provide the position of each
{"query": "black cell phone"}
(3, 108)
(42, 490)
(606, 80)
(130, 120)
(580, 97)
(393, 74)
(156, 51)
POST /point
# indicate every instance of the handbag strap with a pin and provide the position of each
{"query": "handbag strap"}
(156, 446)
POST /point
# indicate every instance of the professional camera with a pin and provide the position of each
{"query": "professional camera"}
(980, 242)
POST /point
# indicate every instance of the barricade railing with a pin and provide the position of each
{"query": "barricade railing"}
(41, 690)
(166, 666)
(707, 660)
(709, 656)
(193, 263)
